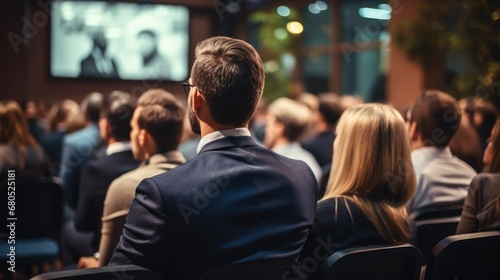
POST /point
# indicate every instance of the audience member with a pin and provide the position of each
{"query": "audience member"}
(483, 118)
(286, 121)
(482, 204)
(348, 100)
(466, 145)
(18, 149)
(370, 183)
(35, 125)
(235, 202)
(312, 102)
(52, 142)
(433, 120)
(157, 126)
(77, 149)
(81, 237)
(325, 119)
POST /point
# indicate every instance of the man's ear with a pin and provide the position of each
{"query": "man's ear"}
(143, 138)
(413, 131)
(279, 128)
(198, 100)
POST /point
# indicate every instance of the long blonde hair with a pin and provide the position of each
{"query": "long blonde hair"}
(372, 167)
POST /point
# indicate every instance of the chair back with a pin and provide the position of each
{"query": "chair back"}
(384, 262)
(261, 270)
(466, 256)
(434, 223)
(101, 273)
(38, 206)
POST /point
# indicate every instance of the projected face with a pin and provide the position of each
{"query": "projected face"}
(147, 42)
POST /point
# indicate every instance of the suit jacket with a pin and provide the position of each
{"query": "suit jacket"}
(96, 178)
(339, 224)
(479, 213)
(234, 202)
(120, 194)
(321, 147)
(52, 144)
(76, 151)
(88, 69)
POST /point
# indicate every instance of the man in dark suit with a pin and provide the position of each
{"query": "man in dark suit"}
(97, 64)
(235, 202)
(81, 237)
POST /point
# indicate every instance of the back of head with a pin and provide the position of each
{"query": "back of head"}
(14, 127)
(330, 108)
(295, 116)
(372, 165)
(92, 106)
(61, 112)
(162, 116)
(437, 116)
(118, 109)
(229, 74)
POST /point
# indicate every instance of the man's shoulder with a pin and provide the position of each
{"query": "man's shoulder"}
(82, 136)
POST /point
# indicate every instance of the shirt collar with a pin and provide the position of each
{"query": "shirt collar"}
(240, 131)
(168, 157)
(430, 151)
(118, 147)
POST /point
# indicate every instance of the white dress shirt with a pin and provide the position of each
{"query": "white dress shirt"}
(240, 131)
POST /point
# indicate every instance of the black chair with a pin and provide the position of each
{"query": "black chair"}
(433, 223)
(466, 256)
(37, 216)
(261, 270)
(384, 262)
(102, 273)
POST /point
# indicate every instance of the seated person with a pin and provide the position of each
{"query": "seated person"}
(433, 120)
(235, 202)
(157, 126)
(371, 181)
(482, 205)
(77, 149)
(287, 120)
(81, 237)
(19, 151)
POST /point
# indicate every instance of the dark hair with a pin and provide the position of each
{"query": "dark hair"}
(330, 108)
(147, 32)
(229, 74)
(437, 115)
(162, 116)
(92, 106)
(118, 109)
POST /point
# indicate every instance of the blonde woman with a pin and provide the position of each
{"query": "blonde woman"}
(371, 180)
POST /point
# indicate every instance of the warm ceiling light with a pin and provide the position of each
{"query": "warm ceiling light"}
(294, 27)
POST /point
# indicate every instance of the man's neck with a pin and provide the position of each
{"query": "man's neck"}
(207, 129)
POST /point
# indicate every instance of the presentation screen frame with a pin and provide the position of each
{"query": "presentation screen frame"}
(119, 40)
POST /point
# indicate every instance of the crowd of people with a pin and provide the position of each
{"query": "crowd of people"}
(299, 178)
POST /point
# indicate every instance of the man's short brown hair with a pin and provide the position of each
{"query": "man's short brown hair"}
(162, 116)
(437, 115)
(229, 74)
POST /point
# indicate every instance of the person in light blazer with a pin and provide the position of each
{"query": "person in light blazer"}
(236, 201)
(157, 126)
